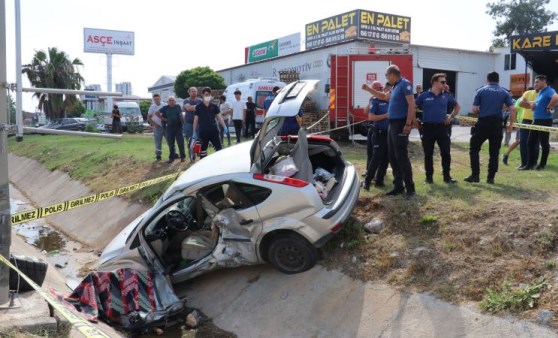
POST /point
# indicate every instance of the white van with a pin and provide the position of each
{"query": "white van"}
(258, 89)
(130, 111)
(131, 114)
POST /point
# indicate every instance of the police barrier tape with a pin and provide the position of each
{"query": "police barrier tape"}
(76, 320)
(29, 215)
(515, 125)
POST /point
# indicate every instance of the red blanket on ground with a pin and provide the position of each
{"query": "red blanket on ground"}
(112, 295)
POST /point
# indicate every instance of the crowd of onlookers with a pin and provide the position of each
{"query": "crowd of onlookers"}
(200, 121)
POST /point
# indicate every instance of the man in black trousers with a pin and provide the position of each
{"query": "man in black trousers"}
(487, 105)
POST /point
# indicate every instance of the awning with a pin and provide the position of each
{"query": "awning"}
(543, 62)
(540, 50)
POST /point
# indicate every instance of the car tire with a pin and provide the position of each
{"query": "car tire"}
(32, 267)
(292, 254)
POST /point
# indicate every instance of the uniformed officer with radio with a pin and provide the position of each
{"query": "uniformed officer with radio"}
(487, 106)
(401, 116)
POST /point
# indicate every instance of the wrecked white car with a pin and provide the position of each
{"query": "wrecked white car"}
(276, 199)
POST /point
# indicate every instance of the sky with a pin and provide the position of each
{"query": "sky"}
(176, 35)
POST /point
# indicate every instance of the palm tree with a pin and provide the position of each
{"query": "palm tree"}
(54, 70)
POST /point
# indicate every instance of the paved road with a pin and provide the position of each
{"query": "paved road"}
(261, 302)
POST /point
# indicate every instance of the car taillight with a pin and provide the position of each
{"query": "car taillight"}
(336, 228)
(293, 182)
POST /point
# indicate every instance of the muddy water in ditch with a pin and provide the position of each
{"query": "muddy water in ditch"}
(62, 252)
(37, 234)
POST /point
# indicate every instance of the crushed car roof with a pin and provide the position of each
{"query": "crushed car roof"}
(235, 159)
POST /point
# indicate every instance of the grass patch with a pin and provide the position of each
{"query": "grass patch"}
(350, 237)
(550, 264)
(428, 219)
(515, 299)
(102, 164)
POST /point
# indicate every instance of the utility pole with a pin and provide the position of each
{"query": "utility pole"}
(5, 219)
(109, 82)
(19, 83)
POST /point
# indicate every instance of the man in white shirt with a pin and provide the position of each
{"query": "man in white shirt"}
(226, 111)
(154, 118)
(238, 114)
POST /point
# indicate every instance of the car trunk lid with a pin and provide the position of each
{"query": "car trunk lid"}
(287, 103)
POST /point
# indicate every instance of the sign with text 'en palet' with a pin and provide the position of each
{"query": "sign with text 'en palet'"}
(358, 24)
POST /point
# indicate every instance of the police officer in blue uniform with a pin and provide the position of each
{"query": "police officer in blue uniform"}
(401, 116)
(433, 104)
(268, 100)
(377, 115)
(487, 105)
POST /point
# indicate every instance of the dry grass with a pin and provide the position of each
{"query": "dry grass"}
(459, 241)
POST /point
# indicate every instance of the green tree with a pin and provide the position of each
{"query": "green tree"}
(144, 108)
(11, 110)
(518, 17)
(54, 70)
(197, 77)
(76, 109)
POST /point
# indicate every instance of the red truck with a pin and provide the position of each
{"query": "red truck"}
(347, 101)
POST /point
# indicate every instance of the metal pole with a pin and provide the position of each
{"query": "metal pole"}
(69, 91)
(525, 82)
(109, 81)
(19, 113)
(32, 130)
(5, 219)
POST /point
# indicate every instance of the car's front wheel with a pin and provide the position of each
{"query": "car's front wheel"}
(292, 254)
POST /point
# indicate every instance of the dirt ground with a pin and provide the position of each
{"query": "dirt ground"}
(456, 255)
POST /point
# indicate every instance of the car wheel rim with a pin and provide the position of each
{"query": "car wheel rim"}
(291, 257)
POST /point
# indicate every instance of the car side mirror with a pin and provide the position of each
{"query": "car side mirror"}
(327, 87)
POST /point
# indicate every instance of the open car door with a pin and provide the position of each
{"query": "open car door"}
(235, 224)
(287, 103)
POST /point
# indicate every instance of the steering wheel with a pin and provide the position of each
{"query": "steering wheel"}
(178, 221)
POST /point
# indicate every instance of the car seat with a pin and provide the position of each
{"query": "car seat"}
(301, 158)
(197, 246)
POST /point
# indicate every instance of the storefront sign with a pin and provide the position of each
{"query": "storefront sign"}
(537, 41)
(361, 24)
(278, 47)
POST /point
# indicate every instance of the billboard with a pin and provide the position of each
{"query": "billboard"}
(537, 41)
(358, 24)
(278, 47)
(108, 41)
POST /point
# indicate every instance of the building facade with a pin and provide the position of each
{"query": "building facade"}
(124, 87)
(164, 87)
(91, 101)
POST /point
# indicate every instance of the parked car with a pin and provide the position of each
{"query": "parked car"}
(276, 199)
(70, 123)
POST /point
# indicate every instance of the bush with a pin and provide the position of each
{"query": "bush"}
(134, 127)
(91, 128)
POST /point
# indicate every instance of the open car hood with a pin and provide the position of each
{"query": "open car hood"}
(287, 103)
